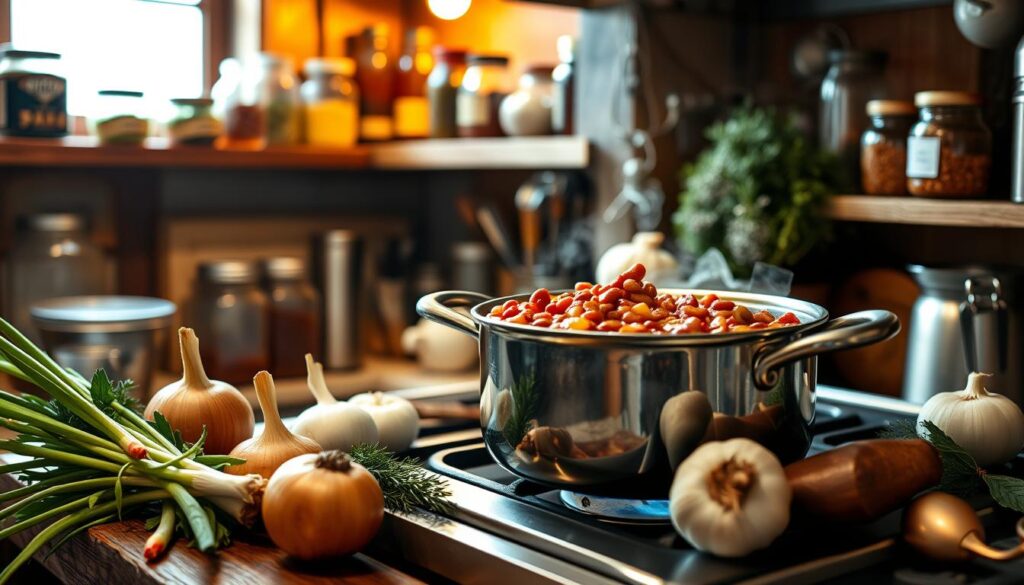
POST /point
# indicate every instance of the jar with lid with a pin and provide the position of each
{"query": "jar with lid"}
(949, 150)
(854, 78)
(442, 86)
(411, 110)
(33, 93)
(294, 316)
(194, 123)
(331, 102)
(375, 73)
(119, 117)
(564, 77)
(883, 147)
(236, 100)
(231, 317)
(279, 96)
(484, 86)
(527, 111)
(52, 257)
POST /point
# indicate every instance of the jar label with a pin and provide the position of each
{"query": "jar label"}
(923, 157)
(412, 117)
(33, 105)
(195, 128)
(472, 110)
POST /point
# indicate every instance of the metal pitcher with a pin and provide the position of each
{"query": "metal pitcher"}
(966, 320)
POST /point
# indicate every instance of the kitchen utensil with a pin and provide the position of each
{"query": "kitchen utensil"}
(338, 264)
(947, 529)
(966, 320)
(990, 24)
(122, 335)
(580, 409)
(497, 235)
(438, 348)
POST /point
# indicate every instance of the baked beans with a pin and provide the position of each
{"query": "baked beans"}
(630, 305)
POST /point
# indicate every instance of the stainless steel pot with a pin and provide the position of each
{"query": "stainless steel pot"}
(581, 409)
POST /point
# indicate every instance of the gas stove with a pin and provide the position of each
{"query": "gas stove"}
(510, 530)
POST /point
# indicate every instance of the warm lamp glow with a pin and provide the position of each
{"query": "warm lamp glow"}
(448, 9)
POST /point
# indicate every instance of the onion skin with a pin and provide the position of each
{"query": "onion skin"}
(196, 401)
(314, 512)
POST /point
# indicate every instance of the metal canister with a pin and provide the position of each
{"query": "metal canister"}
(338, 267)
(1017, 187)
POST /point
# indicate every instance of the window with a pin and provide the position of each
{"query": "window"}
(153, 46)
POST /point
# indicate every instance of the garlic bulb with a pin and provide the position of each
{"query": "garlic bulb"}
(730, 498)
(396, 418)
(265, 452)
(196, 401)
(645, 249)
(333, 424)
(989, 426)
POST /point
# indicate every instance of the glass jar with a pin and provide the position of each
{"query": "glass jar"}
(194, 123)
(484, 85)
(294, 316)
(119, 118)
(883, 147)
(949, 150)
(375, 73)
(527, 111)
(33, 94)
(231, 317)
(564, 77)
(52, 257)
(236, 101)
(442, 86)
(854, 78)
(279, 96)
(331, 102)
(412, 117)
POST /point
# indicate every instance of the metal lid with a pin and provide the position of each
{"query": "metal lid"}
(924, 99)
(891, 108)
(340, 237)
(285, 268)
(120, 93)
(949, 278)
(102, 314)
(8, 51)
(192, 101)
(471, 252)
(229, 272)
(52, 222)
(487, 60)
(330, 66)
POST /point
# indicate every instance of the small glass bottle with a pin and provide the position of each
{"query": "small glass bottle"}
(949, 151)
(483, 87)
(237, 101)
(412, 117)
(231, 317)
(120, 118)
(375, 73)
(279, 96)
(442, 87)
(564, 76)
(331, 102)
(883, 147)
(294, 316)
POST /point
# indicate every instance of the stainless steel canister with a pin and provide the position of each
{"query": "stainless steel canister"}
(338, 269)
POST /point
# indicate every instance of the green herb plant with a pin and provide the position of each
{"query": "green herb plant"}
(757, 193)
(523, 396)
(404, 482)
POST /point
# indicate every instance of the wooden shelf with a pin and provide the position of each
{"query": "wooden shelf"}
(920, 211)
(546, 152)
(539, 152)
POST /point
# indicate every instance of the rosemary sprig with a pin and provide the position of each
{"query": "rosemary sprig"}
(524, 405)
(405, 483)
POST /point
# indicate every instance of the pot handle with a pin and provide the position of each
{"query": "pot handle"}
(440, 308)
(846, 332)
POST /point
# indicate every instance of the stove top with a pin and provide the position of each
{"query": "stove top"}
(508, 529)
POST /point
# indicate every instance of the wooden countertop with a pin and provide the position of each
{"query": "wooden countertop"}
(112, 554)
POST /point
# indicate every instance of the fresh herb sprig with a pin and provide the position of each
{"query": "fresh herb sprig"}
(523, 396)
(404, 481)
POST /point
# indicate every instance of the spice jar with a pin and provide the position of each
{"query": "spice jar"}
(442, 86)
(484, 86)
(331, 100)
(376, 76)
(949, 150)
(231, 317)
(411, 109)
(279, 95)
(33, 94)
(119, 118)
(194, 123)
(236, 101)
(883, 147)
(294, 316)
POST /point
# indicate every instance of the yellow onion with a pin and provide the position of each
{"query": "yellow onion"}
(195, 401)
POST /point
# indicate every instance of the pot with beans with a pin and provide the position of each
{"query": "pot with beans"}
(577, 385)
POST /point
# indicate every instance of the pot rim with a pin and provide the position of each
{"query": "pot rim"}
(810, 315)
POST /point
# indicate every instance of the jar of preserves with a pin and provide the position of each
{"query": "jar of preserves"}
(119, 117)
(442, 86)
(412, 119)
(949, 150)
(279, 96)
(231, 317)
(194, 123)
(883, 147)
(33, 94)
(294, 316)
(237, 101)
(331, 101)
(484, 86)
(375, 73)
